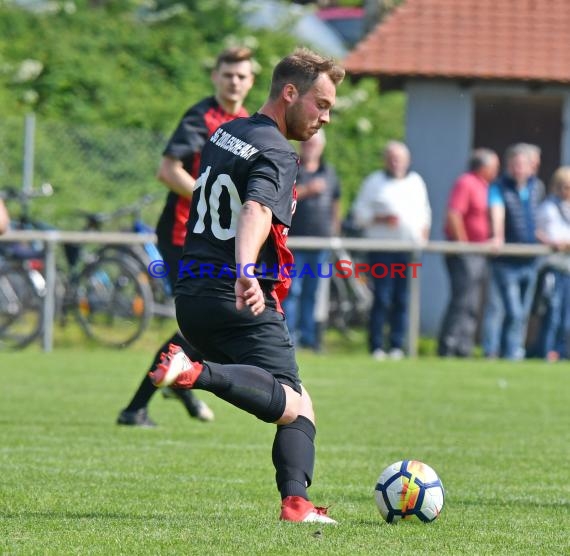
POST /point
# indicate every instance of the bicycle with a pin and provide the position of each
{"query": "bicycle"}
(141, 255)
(106, 294)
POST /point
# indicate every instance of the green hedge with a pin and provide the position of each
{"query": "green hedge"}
(108, 85)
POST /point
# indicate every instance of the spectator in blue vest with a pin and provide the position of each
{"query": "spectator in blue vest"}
(513, 203)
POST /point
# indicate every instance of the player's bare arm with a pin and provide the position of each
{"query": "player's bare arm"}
(171, 173)
(254, 225)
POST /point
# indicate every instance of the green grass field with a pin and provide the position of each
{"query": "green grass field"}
(73, 482)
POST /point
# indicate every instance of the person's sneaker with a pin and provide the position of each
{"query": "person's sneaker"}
(396, 354)
(197, 408)
(175, 369)
(138, 418)
(299, 510)
(201, 411)
(379, 354)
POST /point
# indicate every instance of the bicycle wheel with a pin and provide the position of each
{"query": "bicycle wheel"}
(113, 305)
(22, 292)
(160, 286)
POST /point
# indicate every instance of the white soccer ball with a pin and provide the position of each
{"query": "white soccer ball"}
(409, 489)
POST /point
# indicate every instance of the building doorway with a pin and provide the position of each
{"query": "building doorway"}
(502, 120)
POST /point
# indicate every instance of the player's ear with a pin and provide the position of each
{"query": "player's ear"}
(290, 93)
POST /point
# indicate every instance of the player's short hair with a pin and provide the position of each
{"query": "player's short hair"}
(302, 68)
(234, 55)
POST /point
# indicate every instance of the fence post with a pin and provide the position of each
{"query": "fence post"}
(29, 142)
(414, 307)
(49, 300)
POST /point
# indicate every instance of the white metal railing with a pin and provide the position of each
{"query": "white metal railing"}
(52, 238)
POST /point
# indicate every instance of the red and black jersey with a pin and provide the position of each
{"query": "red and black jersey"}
(247, 159)
(185, 144)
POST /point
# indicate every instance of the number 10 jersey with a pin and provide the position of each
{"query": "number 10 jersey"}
(246, 159)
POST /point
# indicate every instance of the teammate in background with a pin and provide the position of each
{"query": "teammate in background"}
(232, 78)
(240, 215)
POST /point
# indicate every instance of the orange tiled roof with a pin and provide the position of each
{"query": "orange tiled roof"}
(472, 39)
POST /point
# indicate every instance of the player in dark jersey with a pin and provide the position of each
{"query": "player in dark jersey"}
(230, 285)
(232, 78)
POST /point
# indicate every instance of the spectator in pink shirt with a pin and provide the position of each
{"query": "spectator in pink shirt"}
(467, 221)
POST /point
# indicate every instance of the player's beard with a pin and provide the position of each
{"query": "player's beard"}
(296, 122)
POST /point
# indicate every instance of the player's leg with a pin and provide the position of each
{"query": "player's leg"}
(247, 387)
(136, 413)
(195, 407)
(268, 387)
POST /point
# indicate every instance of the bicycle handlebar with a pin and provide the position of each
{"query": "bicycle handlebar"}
(95, 219)
(22, 195)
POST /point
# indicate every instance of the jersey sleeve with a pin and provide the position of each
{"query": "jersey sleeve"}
(271, 183)
(189, 137)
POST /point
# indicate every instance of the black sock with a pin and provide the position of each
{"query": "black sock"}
(147, 389)
(250, 388)
(294, 457)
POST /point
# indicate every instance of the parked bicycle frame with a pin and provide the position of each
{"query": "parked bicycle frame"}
(105, 294)
(139, 255)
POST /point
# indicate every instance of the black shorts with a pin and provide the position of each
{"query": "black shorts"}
(225, 335)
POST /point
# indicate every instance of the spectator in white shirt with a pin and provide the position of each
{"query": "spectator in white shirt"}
(392, 205)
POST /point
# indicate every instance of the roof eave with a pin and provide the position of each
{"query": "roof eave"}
(397, 81)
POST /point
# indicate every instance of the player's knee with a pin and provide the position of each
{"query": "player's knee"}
(296, 405)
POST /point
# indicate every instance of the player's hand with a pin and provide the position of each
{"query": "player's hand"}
(249, 294)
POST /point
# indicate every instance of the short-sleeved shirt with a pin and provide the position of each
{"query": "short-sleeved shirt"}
(468, 198)
(553, 219)
(185, 144)
(314, 215)
(246, 159)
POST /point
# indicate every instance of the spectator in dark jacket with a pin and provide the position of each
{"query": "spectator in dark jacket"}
(317, 214)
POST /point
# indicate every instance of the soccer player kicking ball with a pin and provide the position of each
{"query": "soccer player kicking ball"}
(240, 214)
